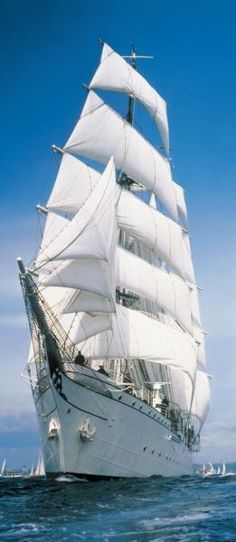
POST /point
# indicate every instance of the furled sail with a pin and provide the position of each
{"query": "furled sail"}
(115, 74)
(133, 154)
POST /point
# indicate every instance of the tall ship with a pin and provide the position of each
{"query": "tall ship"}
(117, 361)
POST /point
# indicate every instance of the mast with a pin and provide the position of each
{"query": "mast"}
(132, 58)
(125, 180)
(123, 297)
(130, 114)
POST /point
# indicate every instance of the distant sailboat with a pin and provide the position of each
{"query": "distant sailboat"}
(3, 469)
(223, 472)
(31, 471)
(208, 470)
(226, 472)
(40, 471)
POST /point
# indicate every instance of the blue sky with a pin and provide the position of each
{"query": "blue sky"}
(47, 50)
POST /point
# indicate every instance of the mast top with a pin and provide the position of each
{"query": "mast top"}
(138, 56)
(133, 56)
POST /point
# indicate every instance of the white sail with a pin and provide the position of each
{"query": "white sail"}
(3, 467)
(199, 337)
(116, 274)
(83, 274)
(152, 201)
(115, 74)
(201, 396)
(84, 301)
(195, 306)
(56, 298)
(84, 236)
(181, 388)
(74, 182)
(188, 263)
(55, 224)
(168, 290)
(40, 470)
(181, 205)
(81, 326)
(156, 231)
(132, 153)
(135, 335)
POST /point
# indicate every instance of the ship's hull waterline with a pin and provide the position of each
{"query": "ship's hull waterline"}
(97, 436)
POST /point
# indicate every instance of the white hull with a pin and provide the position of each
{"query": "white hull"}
(130, 439)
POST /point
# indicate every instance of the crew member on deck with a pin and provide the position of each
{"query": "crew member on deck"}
(102, 370)
(79, 359)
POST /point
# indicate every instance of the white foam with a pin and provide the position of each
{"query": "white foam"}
(68, 478)
(187, 518)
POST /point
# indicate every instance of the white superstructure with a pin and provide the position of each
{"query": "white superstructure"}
(114, 281)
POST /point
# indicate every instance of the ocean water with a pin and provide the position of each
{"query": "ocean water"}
(187, 509)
